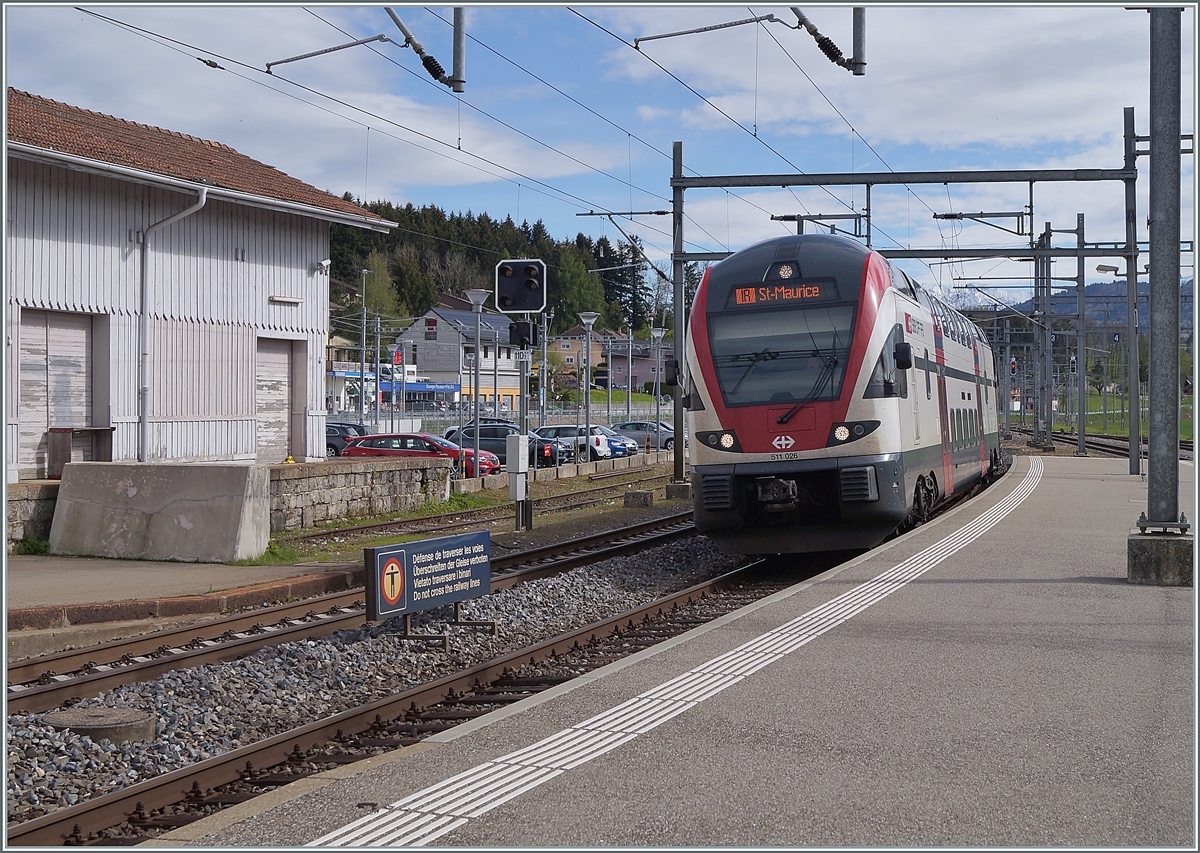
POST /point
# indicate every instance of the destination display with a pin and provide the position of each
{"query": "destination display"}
(416, 576)
(777, 289)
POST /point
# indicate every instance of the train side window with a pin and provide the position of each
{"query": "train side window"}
(887, 380)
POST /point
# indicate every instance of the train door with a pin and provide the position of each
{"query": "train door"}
(979, 421)
(939, 350)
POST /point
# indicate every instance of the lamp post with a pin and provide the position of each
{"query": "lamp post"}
(588, 318)
(544, 380)
(477, 297)
(657, 334)
(608, 383)
(362, 354)
(629, 376)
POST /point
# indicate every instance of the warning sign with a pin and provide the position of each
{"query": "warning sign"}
(391, 580)
(423, 575)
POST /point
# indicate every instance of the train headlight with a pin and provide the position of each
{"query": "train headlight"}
(720, 439)
(850, 431)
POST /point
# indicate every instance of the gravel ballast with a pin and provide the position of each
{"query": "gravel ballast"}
(210, 710)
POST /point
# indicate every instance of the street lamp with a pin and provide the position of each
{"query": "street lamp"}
(608, 384)
(362, 353)
(629, 375)
(657, 335)
(588, 318)
(477, 297)
(544, 380)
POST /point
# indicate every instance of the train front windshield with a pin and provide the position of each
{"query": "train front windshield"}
(786, 355)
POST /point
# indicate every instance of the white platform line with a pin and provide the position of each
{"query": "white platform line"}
(437, 810)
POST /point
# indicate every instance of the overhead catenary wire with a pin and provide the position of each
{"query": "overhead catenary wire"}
(169, 42)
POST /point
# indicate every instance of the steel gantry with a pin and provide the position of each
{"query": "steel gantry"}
(1040, 250)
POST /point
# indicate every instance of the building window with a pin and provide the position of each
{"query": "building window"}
(431, 329)
(508, 353)
(571, 359)
(565, 345)
(485, 352)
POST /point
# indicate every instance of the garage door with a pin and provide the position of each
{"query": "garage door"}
(56, 385)
(273, 399)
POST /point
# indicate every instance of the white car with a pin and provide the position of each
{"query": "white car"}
(589, 448)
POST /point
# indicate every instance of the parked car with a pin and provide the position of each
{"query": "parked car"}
(589, 445)
(483, 419)
(619, 444)
(493, 437)
(425, 446)
(436, 406)
(660, 437)
(337, 433)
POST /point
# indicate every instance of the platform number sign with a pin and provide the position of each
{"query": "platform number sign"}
(422, 575)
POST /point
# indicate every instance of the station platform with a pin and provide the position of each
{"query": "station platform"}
(988, 679)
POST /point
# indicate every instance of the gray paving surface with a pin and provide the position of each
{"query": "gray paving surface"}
(32, 581)
(1019, 693)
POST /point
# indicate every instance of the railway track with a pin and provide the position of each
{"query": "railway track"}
(175, 799)
(451, 521)
(1110, 445)
(44, 683)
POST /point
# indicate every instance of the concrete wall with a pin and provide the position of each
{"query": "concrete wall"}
(214, 513)
(309, 494)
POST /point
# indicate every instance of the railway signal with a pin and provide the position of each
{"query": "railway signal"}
(521, 286)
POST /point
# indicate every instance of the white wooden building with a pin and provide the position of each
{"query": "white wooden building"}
(167, 297)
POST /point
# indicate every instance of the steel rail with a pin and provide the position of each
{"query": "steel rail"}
(163, 791)
(508, 571)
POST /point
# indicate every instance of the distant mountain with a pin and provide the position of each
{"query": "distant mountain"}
(1104, 304)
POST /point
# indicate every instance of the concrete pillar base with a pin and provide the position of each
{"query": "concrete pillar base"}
(1160, 559)
(679, 491)
(639, 498)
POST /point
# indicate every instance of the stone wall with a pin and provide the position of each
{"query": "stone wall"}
(309, 494)
(30, 511)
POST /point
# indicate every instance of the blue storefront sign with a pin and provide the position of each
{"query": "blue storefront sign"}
(416, 576)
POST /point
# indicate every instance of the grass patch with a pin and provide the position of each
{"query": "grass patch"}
(277, 554)
(34, 546)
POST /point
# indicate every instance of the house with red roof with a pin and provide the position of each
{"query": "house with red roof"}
(167, 296)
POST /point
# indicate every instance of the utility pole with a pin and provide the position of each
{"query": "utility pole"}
(362, 355)
(1080, 347)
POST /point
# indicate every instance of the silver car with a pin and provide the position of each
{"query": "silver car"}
(649, 434)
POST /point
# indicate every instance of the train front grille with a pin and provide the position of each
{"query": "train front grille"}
(716, 492)
(858, 485)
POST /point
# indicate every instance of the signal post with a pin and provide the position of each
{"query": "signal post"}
(521, 290)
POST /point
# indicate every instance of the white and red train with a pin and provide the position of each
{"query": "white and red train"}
(830, 399)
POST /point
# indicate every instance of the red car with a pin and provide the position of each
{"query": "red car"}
(422, 445)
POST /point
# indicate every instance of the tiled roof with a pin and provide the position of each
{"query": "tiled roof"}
(47, 124)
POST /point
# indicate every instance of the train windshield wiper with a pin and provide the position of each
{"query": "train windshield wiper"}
(755, 358)
(818, 386)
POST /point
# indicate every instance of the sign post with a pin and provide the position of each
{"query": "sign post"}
(415, 576)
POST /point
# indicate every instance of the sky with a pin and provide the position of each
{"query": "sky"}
(562, 115)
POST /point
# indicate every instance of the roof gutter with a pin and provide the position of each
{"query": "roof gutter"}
(144, 325)
(85, 164)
